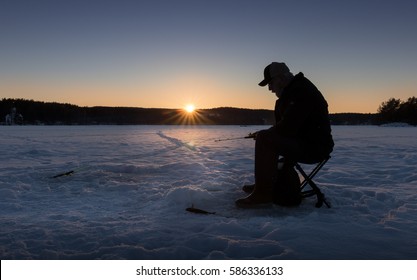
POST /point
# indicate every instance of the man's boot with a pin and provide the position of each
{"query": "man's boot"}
(260, 196)
(248, 188)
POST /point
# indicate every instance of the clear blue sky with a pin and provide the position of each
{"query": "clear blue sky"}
(212, 53)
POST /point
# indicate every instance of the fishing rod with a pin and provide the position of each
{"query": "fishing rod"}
(249, 136)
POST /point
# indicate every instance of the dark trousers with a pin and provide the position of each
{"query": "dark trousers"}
(269, 146)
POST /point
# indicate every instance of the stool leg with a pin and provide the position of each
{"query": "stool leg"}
(308, 180)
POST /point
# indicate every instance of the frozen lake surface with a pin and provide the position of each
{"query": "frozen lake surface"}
(131, 184)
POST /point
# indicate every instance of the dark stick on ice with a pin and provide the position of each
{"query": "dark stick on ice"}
(63, 174)
(199, 211)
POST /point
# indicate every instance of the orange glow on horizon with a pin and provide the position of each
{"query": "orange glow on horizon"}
(343, 100)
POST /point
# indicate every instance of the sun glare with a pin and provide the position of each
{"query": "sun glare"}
(190, 108)
(188, 115)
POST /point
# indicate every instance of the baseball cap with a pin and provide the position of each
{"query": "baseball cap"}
(272, 70)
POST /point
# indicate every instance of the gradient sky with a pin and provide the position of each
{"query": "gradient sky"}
(166, 54)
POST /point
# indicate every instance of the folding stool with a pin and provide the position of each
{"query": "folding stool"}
(308, 179)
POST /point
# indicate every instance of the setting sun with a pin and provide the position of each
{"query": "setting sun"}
(190, 108)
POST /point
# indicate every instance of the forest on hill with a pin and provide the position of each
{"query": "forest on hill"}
(21, 111)
(30, 112)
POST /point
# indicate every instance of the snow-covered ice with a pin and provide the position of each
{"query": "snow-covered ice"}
(131, 185)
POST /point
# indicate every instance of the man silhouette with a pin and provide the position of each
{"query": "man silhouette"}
(301, 133)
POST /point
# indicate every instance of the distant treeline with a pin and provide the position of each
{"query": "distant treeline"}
(51, 113)
(22, 111)
(396, 110)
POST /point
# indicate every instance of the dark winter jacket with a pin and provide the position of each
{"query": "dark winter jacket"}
(302, 113)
